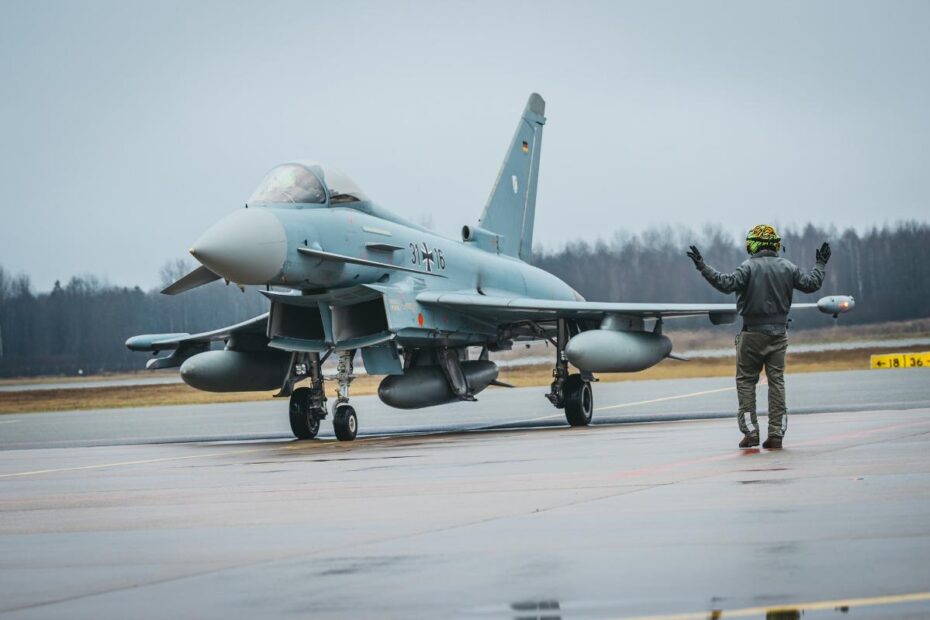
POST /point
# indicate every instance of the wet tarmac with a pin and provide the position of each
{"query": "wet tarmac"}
(487, 510)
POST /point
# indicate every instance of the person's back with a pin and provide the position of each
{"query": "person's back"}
(764, 285)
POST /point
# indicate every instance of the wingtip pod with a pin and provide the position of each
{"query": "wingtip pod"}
(836, 304)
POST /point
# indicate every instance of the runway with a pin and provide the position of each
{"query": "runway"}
(623, 402)
(493, 509)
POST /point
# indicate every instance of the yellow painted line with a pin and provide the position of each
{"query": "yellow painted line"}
(665, 398)
(896, 599)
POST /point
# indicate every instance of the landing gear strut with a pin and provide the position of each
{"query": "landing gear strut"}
(345, 422)
(570, 392)
(307, 404)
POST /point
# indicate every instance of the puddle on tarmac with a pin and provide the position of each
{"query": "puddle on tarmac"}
(536, 610)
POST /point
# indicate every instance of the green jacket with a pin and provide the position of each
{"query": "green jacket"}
(764, 285)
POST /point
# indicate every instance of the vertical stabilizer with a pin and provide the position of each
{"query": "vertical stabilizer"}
(511, 208)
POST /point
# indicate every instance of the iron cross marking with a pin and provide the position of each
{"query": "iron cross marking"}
(427, 257)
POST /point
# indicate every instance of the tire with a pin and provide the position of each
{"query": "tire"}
(305, 423)
(345, 423)
(579, 401)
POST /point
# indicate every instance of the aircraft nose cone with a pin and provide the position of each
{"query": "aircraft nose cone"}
(247, 247)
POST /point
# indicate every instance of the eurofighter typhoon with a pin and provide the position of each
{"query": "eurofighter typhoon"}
(344, 275)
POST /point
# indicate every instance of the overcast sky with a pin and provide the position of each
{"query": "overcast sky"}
(127, 128)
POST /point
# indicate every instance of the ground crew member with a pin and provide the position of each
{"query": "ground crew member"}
(764, 285)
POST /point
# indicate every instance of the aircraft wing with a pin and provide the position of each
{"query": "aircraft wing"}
(525, 308)
(248, 335)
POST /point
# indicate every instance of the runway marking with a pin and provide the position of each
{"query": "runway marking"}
(873, 601)
(297, 445)
(8, 421)
(123, 463)
(623, 405)
(664, 398)
(497, 425)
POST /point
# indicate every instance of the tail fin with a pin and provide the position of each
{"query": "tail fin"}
(511, 208)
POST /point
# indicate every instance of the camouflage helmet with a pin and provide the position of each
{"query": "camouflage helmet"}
(762, 237)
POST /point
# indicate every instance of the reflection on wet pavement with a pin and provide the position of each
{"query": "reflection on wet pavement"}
(536, 610)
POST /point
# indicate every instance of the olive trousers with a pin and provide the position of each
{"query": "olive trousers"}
(755, 351)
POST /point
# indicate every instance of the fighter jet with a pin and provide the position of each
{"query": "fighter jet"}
(344, 275)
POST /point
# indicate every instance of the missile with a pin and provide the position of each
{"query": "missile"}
(235, 371)
(425, 386)
(606, 350)
(155, 342)
(836, 304)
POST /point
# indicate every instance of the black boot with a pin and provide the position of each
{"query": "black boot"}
(749, 441)
(772, 443)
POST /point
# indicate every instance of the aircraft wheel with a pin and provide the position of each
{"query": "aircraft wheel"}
(579, 401)
(305, 421)
(345, 423)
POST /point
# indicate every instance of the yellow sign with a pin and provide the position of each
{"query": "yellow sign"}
(901, 360)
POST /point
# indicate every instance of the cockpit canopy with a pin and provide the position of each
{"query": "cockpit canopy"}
(306, 183)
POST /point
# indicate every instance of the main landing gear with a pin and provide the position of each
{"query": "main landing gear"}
(308, 404)
(571, 392)
(305, 418)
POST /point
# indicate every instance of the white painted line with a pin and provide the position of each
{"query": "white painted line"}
(620, 406)
(665, 398)
(125, 463)
(293, 445)
(8, 421)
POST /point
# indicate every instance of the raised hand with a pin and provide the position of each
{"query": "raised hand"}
(823, 254)
(695, 255)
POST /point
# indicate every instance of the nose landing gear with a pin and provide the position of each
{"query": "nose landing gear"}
(345, 422)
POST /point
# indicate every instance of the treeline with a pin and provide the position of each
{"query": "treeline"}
(81, 325)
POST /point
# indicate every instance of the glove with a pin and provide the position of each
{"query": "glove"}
(823, 254)
(695, 255)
